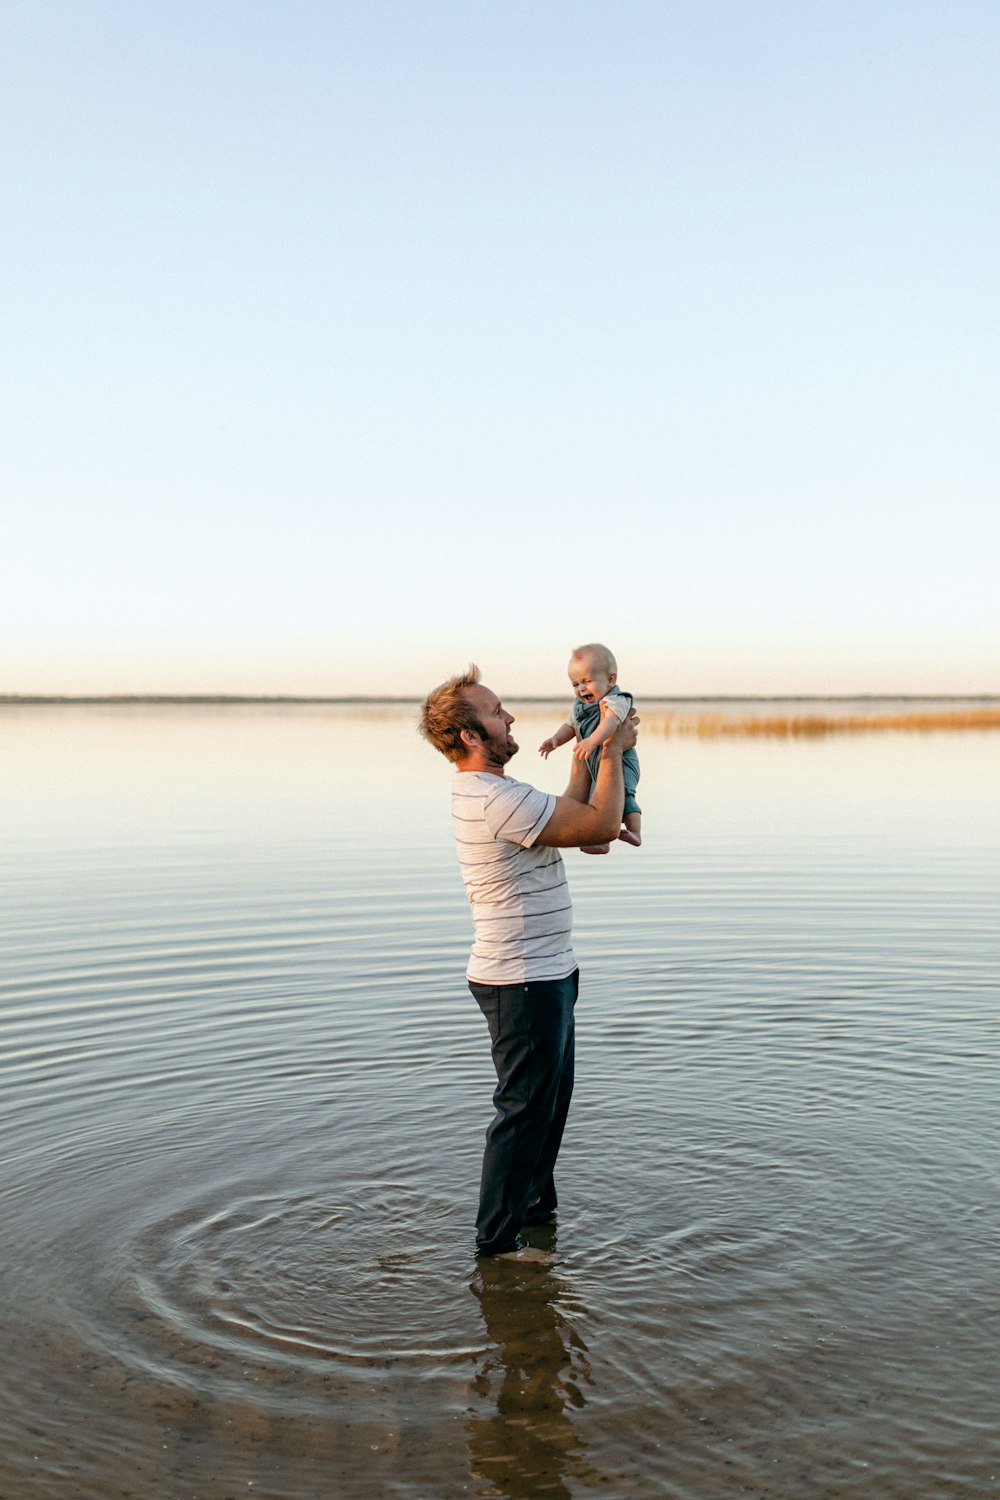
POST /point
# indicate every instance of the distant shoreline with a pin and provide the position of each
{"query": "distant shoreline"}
(788, 716)
(14, 700)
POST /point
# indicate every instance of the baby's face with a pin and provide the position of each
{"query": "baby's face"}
(589, 682)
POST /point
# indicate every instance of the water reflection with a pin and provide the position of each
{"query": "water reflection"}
(531, 1379)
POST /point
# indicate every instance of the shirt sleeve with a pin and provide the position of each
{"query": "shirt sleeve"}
(517, 813)
(619, 704)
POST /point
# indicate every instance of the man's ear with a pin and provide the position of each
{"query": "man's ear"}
(469, 737)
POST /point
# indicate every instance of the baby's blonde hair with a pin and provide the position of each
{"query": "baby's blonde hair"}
(599, 656)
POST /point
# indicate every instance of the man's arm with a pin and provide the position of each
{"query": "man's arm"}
(582, 817)
(580, 781)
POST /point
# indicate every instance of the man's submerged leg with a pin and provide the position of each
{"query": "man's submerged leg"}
(543, 1199)
(531, 1029)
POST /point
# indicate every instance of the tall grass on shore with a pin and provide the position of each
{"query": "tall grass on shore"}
(815, 725)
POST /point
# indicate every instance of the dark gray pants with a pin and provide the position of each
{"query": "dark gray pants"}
(531, 1030)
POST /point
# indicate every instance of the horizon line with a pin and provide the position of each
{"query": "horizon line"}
(28, 699)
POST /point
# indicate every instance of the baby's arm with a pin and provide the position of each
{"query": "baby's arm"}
(606, 727)
(562, 736)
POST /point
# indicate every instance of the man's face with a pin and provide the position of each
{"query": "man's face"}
(498, 743)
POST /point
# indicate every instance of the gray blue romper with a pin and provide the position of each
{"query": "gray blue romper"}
(586, 717)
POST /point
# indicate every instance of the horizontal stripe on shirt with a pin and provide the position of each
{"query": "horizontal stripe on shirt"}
(521, 908)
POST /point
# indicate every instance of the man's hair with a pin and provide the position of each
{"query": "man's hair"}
(447, 711)
(599, 656)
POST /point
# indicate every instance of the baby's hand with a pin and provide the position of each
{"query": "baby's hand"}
(583, 749)
(546, 748)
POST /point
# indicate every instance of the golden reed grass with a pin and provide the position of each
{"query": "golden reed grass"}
(815, 725)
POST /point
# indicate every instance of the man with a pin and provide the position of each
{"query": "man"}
(522, 971)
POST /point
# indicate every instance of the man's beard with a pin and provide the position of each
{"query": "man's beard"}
(500, 748)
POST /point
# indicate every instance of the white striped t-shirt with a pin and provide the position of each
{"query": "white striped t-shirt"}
(521, 907)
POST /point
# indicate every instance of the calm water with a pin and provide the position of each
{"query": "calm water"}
(244, 1091)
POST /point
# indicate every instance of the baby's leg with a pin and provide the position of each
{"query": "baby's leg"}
(631, 832)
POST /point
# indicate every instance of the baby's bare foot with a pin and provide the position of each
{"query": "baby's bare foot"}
(628, 837)
(596, 848)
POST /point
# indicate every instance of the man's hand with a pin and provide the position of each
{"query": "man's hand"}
(623, 738)
(627, 733)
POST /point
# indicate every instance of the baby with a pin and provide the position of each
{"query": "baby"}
(599, 707)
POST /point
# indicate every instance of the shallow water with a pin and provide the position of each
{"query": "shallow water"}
(244, 1091)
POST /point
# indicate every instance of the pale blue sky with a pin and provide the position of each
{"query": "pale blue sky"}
(344, 342)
